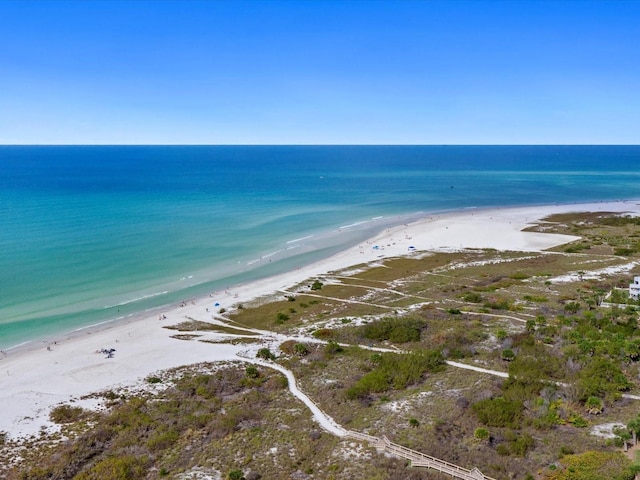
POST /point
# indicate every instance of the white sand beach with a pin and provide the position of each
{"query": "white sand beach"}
(35, 380)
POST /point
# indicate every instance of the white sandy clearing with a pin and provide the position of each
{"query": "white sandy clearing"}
(33, 381)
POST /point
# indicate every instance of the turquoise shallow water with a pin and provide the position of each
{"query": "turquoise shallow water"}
(88, 234)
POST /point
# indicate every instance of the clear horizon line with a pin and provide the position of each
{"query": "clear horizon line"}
(319, 144)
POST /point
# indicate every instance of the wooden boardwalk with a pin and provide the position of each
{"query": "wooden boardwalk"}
(419, 459)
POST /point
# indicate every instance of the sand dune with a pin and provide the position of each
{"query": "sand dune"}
(33, 381)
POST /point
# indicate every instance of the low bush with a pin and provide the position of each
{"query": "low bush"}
(394, 371)
(116, 468)
(332, 348)
(593, 465)
(300, 349)
(508, 355)
(396, 330)
(499, 412)
(265, 354)
(498, 304)
(516, 445)
(324, 333)
(473, 297)
(66, 414)
(602, 378)
(481, 434)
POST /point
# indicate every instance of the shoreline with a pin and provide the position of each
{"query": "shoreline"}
(38, 376)
(333, 240)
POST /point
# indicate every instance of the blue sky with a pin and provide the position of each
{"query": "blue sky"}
(319, 72)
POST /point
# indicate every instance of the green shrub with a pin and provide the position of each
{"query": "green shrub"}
(162, 439)
(572, 307)
(593, 465)
(593, 405)
(508, 355)
(116, 468)
(519, 276)
(535, 364)
(481, 434)
(332, 348)
(601, 378)
(235, 475)
(397, 330)
(521, 445)
(316, 285)
(473, 297)
(566, 450)
(578, 421)
(577, 247)
(395, 371)
(535, 298)
(300, 349)
(265, 354)
(499, 412)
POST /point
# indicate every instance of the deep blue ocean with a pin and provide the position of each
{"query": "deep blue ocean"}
(93, 233)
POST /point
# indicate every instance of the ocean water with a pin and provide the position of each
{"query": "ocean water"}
(91, 234)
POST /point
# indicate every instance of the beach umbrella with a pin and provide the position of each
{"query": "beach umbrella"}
(216, 304)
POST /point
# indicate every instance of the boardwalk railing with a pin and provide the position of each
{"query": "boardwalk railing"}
(419, 459)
